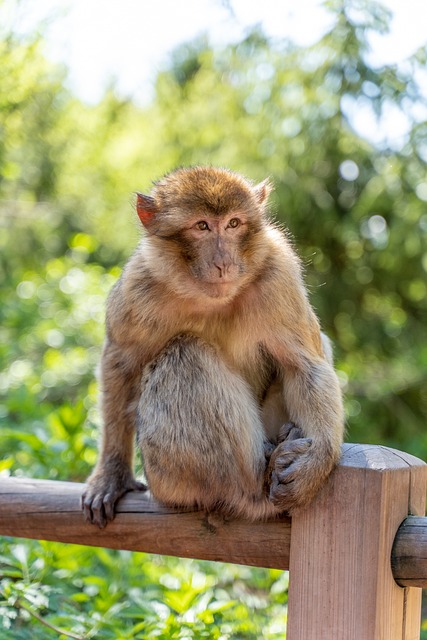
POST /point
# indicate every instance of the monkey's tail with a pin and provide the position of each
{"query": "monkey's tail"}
(254, 508)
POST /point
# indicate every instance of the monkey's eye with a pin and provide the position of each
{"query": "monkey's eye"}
(233, 223)
(202, 225)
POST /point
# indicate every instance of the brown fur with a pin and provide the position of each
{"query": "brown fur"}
(211, 348)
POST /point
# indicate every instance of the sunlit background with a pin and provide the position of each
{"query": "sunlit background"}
(98, 99)
(129, 42)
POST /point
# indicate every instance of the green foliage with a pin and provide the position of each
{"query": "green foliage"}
(50, 590)
(67, 174)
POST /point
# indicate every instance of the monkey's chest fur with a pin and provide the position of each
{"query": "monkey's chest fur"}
(255, 365)
(237, 342)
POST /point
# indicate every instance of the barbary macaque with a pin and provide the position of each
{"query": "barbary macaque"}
(214, 357)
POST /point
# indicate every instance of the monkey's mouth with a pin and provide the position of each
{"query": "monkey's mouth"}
(215, 285)
(219, 288)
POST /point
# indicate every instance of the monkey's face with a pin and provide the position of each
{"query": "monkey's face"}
(216, 252)
(207, 227)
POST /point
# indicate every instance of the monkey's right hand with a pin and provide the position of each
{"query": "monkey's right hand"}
(103, 490)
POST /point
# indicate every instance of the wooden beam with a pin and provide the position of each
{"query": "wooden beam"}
(409, 557)
(50, 510)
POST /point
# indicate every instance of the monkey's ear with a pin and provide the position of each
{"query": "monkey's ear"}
(263, 190)
(146, 208)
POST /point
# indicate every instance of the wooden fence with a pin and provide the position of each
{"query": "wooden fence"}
(357, 557)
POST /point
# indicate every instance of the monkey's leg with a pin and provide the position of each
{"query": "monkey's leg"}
(201, 437)
(113, 475)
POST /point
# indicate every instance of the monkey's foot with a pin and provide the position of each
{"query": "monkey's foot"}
(289, 431)
(299, 468)
(101, 495)
(293, 476)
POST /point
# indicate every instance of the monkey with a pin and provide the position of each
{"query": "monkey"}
(214, 357)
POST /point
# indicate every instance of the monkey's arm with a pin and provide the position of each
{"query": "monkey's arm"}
(123, 358)
(313, 401)
(113, 475)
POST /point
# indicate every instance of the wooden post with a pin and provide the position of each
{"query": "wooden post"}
(341, 582)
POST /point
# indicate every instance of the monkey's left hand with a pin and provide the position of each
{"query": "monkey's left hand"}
(297, 470)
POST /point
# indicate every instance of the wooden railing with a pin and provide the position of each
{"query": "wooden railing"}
(357, 556)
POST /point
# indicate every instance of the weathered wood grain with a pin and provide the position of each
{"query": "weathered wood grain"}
(49, 510)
